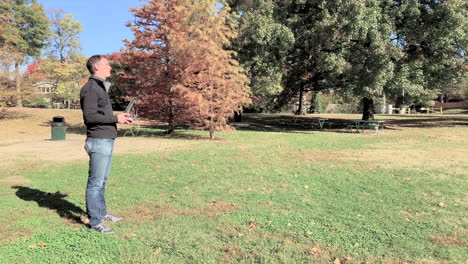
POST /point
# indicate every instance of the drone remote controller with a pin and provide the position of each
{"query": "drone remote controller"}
(129, 109)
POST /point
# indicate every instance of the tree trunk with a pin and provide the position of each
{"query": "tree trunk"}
(170, 126)
(400, 100)
(238, 116)
(301, 110)
(19, 102)
(368, 109)
(315, 104)
(170, 129)
(212, 133)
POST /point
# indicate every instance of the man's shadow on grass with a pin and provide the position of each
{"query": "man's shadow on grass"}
(53, 201)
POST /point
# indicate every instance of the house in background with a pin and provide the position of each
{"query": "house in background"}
(45, 88)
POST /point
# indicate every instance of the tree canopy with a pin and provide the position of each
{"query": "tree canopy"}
(262, 46)
(178, 67)
(64, 40)
(407, 50)
(24, 33)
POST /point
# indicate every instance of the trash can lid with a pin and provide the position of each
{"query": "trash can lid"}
(58, 119)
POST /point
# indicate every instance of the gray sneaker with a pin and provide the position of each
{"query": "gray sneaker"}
(111, 218)
(103, 229)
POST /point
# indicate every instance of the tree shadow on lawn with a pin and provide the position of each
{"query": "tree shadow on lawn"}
(290, 124)
(53, 201)
(284, 124)
(428, 121)
(142, 131)
(297, 124)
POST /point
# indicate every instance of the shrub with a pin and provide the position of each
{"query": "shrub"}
(38, 102)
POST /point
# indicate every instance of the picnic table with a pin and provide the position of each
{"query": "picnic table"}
(307, 122)
(361, 125)
(319, 121)
(314, 122)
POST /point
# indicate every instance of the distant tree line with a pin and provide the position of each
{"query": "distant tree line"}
(198, 63)
(51, 41)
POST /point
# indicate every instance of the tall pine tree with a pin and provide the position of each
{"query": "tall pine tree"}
(214, 79)
(156, 59)
(178, 67)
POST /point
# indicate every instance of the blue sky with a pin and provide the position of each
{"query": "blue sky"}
(103, 22)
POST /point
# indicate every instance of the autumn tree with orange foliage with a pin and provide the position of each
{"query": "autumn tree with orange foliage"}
(178, 65)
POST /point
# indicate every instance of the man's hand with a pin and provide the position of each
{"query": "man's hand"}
(124, 118)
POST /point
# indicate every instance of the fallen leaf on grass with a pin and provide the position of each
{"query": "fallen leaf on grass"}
(84, 219)
(129, 236)
(32, 246)
(408, 179)
(309, 232)
(252, 223)
(337, 261)
(158, 251)
(441, 204)
(316, 252)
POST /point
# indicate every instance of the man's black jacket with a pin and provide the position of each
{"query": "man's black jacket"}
(97, 110)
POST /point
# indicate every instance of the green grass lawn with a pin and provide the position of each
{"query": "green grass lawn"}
(254, 197)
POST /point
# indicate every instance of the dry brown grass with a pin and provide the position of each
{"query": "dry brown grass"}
(451, 240)
(25, 137)
(13, 180)
(148, 213)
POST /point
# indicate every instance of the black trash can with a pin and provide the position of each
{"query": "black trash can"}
(59, 128)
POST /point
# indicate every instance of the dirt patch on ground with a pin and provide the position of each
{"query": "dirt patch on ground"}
(13, 180)
(311, 156)
(408, 158)
(151, 212)
(25, 137)
(13, 233)
(451, 240)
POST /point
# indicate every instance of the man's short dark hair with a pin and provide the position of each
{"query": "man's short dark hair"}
(93, 60)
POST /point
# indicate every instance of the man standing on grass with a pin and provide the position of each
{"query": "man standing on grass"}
(101, 131)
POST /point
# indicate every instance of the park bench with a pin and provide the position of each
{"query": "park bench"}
(401, 111)
(430, 110)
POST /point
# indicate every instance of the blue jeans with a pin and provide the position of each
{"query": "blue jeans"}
(100, 161)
